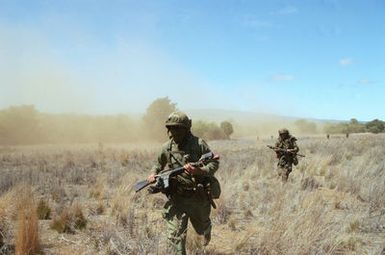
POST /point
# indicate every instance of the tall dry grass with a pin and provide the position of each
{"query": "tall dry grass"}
(27, 241)
(27, 237)
(332, 204)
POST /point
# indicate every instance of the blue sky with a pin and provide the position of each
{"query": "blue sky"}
(317, 59)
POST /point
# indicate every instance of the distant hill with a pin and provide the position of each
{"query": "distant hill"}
(218, 115)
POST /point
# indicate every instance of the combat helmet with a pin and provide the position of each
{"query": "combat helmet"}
(178, 119)
(283, 131)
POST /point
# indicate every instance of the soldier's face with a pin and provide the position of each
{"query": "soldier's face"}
(178, 133)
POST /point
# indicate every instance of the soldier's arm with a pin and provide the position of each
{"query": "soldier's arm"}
(295, 146)
(212, 166)
(278, 152)
(277, 144)
(160, 163)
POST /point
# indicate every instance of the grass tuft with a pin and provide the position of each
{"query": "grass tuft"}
(70, 220)
(43, 210)
(27, 236)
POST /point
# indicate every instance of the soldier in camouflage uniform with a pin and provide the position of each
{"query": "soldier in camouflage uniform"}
(186, 200)
(286, 159)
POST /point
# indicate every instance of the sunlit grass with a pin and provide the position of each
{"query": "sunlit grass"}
(333, 203)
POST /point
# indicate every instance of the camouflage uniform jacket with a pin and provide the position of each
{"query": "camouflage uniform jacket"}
(288, 143)
(173, 156)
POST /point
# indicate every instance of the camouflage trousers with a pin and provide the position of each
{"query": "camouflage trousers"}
(284, 168)
(177, 212)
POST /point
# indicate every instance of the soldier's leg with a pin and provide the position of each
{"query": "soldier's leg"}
(199, 214)
(281, 171)
(287, 171)
(281, 168)
(176, 229)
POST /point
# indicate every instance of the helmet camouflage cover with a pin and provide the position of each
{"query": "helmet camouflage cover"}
(283, 131)
(178, 119)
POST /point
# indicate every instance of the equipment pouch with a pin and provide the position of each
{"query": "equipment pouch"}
(295, 161)
(215, 187)
(154, 189)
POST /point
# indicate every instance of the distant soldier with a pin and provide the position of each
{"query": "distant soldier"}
(186, 201)
(327, 136)
(347, 135)
(286, 149)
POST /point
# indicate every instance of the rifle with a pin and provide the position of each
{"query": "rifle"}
(163, 179)
(284, 151)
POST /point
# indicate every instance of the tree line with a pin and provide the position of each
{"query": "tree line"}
(25, 125)
(354, 126)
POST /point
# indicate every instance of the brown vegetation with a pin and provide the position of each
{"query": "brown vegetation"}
(69, 220)
(27, 238)
(332, 204)
(43, 210)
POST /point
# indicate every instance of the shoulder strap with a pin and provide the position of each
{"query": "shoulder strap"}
(170, 155)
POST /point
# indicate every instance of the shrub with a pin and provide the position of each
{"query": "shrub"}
(2, 227)
(227, 128)
(208, 130)
(69, 220)
(43, 210)
(375, 126)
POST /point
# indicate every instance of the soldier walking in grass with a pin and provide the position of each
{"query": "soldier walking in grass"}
(188, 199)
(286, 149)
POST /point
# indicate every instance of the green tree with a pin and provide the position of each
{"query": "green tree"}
(208, 130)
(155, 117)
(375, 126)
(355, 127)
(227, 128)
(353, 121)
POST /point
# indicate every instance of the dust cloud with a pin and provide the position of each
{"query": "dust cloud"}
(47, 97)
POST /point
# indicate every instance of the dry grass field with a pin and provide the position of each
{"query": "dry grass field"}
(78, 199)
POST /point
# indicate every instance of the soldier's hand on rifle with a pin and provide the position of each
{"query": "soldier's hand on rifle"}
(151, 178)
(192, 169)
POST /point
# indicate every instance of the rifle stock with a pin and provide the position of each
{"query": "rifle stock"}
(141, 185)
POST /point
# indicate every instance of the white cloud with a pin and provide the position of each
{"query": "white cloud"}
(254, 22)
(346, 61)
(261, 38)
(286, 10)
(282, 77)
(366, 82)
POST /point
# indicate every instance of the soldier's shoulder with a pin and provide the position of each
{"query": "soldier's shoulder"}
(203, 143)
(166, 145)
(198, 141)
